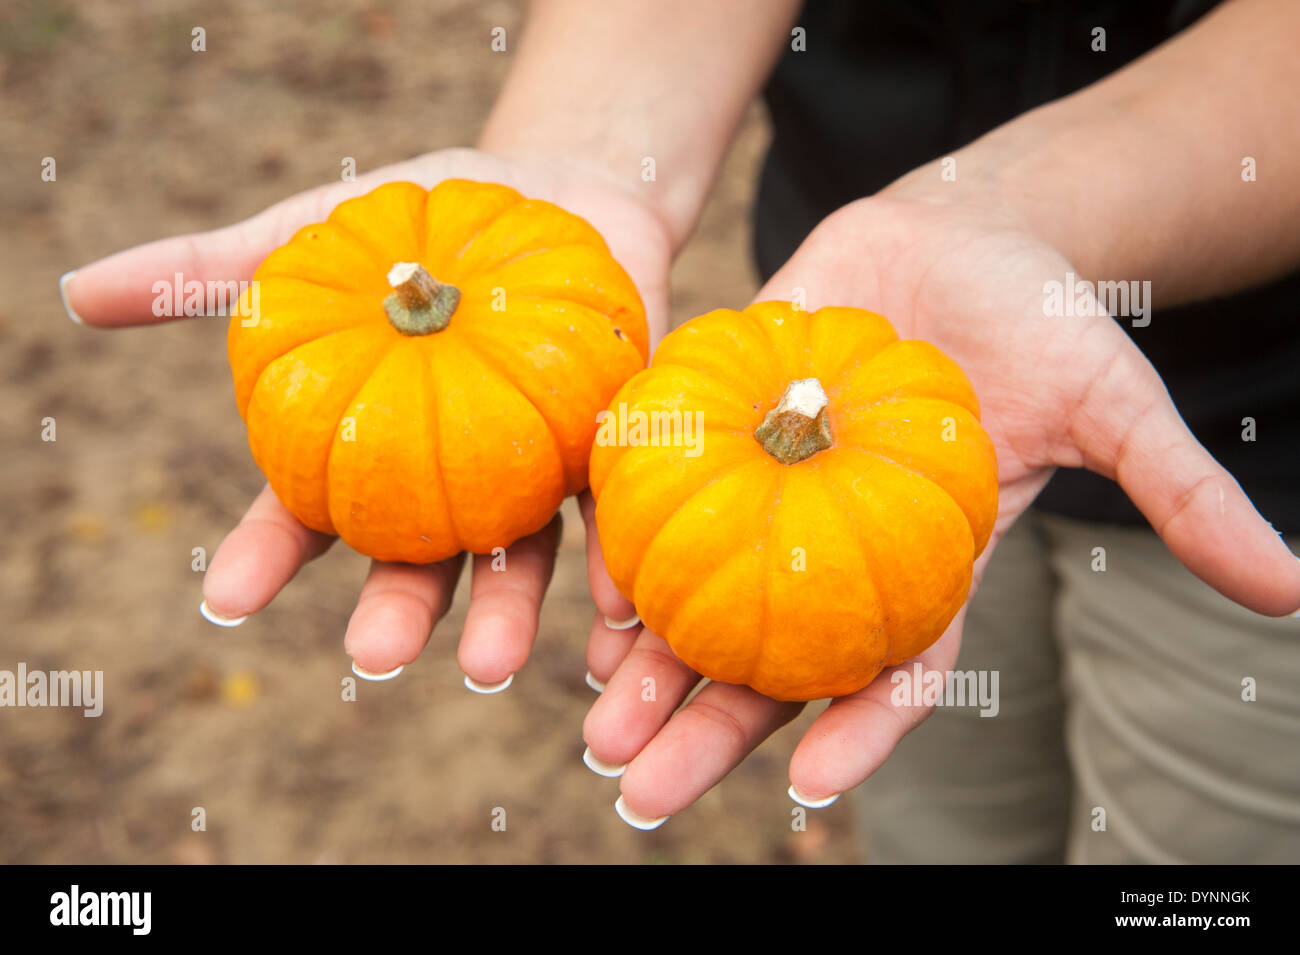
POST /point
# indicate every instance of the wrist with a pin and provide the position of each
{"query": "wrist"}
(607, 161)
(1003, 179)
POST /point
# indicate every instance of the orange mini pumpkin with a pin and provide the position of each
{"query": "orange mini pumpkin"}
(813, 505)
(421, 373)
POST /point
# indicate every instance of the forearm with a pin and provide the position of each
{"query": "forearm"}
(1140, 175)
(612, 85)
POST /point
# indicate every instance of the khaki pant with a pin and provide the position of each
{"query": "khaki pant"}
(1121, 692)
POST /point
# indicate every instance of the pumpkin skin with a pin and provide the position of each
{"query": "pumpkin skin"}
(884, 515)
(415, 446)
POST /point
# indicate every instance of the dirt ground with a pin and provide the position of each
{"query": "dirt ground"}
(151, 461)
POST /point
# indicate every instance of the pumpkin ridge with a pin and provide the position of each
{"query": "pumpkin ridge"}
(895, 397)
(835, 370)
(379, 255)
(724, 385)
(716, 340)
(499, 334)
(531, 252)
(495, 364)
(260, 275)
(891, 657)
(932, 482)
(765, 612)
(664, 626)
(851, 518)
(460, 253)
(640, 563)
(574, 302)
(690, 602)
(284, 276)
(309, 341)
(435, 429)
(781, 348)
(585, 307)
(899, 394)
(329, 455)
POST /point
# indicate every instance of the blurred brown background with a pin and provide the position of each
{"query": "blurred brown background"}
(151, 461)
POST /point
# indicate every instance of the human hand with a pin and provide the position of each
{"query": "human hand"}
(399, 603)
(1054, 391)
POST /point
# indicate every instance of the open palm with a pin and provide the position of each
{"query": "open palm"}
(399, 603)
(1054, 392)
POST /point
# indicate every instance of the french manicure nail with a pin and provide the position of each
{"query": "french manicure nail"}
(211, 616)
(808, 801)
(600, 767)
(374, 677)
(64, 279)
(594, 683)
(635, 821)
(627, 624)
(488, 688)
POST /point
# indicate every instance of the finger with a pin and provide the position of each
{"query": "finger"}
(257, 559)
(504, 603)
(606, 648)
(1128, 429)
(705, 740)
(396, 612)
(855, 734)
(639, 698)
(119, 290)
(616, 609)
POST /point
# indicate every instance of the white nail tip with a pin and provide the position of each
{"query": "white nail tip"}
(374, 677)
(635, 821)
(211, 616)
(808, 802)
(600, 767)
(594, 683)
(627, 624)
(64, 279)
(488, 688)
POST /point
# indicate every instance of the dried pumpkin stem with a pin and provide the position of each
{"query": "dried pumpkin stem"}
(796, 428)
(419, 304)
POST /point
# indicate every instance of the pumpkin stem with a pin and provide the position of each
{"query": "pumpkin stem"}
(796, 428)
(420, 304)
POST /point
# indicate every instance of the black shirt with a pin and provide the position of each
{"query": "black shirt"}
(886, 86)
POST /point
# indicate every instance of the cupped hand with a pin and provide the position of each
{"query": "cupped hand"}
(1055, 391)
(399, 603)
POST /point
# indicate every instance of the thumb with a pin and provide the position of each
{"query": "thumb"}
(1128, 429)
(119, 290)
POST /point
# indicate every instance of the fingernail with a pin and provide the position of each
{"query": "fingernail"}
(64, 279)
(627, 624)
(598, 686)
(374, 677)
(488, 688)
(808, 801)
(211, 616)
(635, 821)
(600, 767)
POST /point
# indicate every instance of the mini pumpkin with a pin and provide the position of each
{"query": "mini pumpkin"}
(815, 510)
(420, 373)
